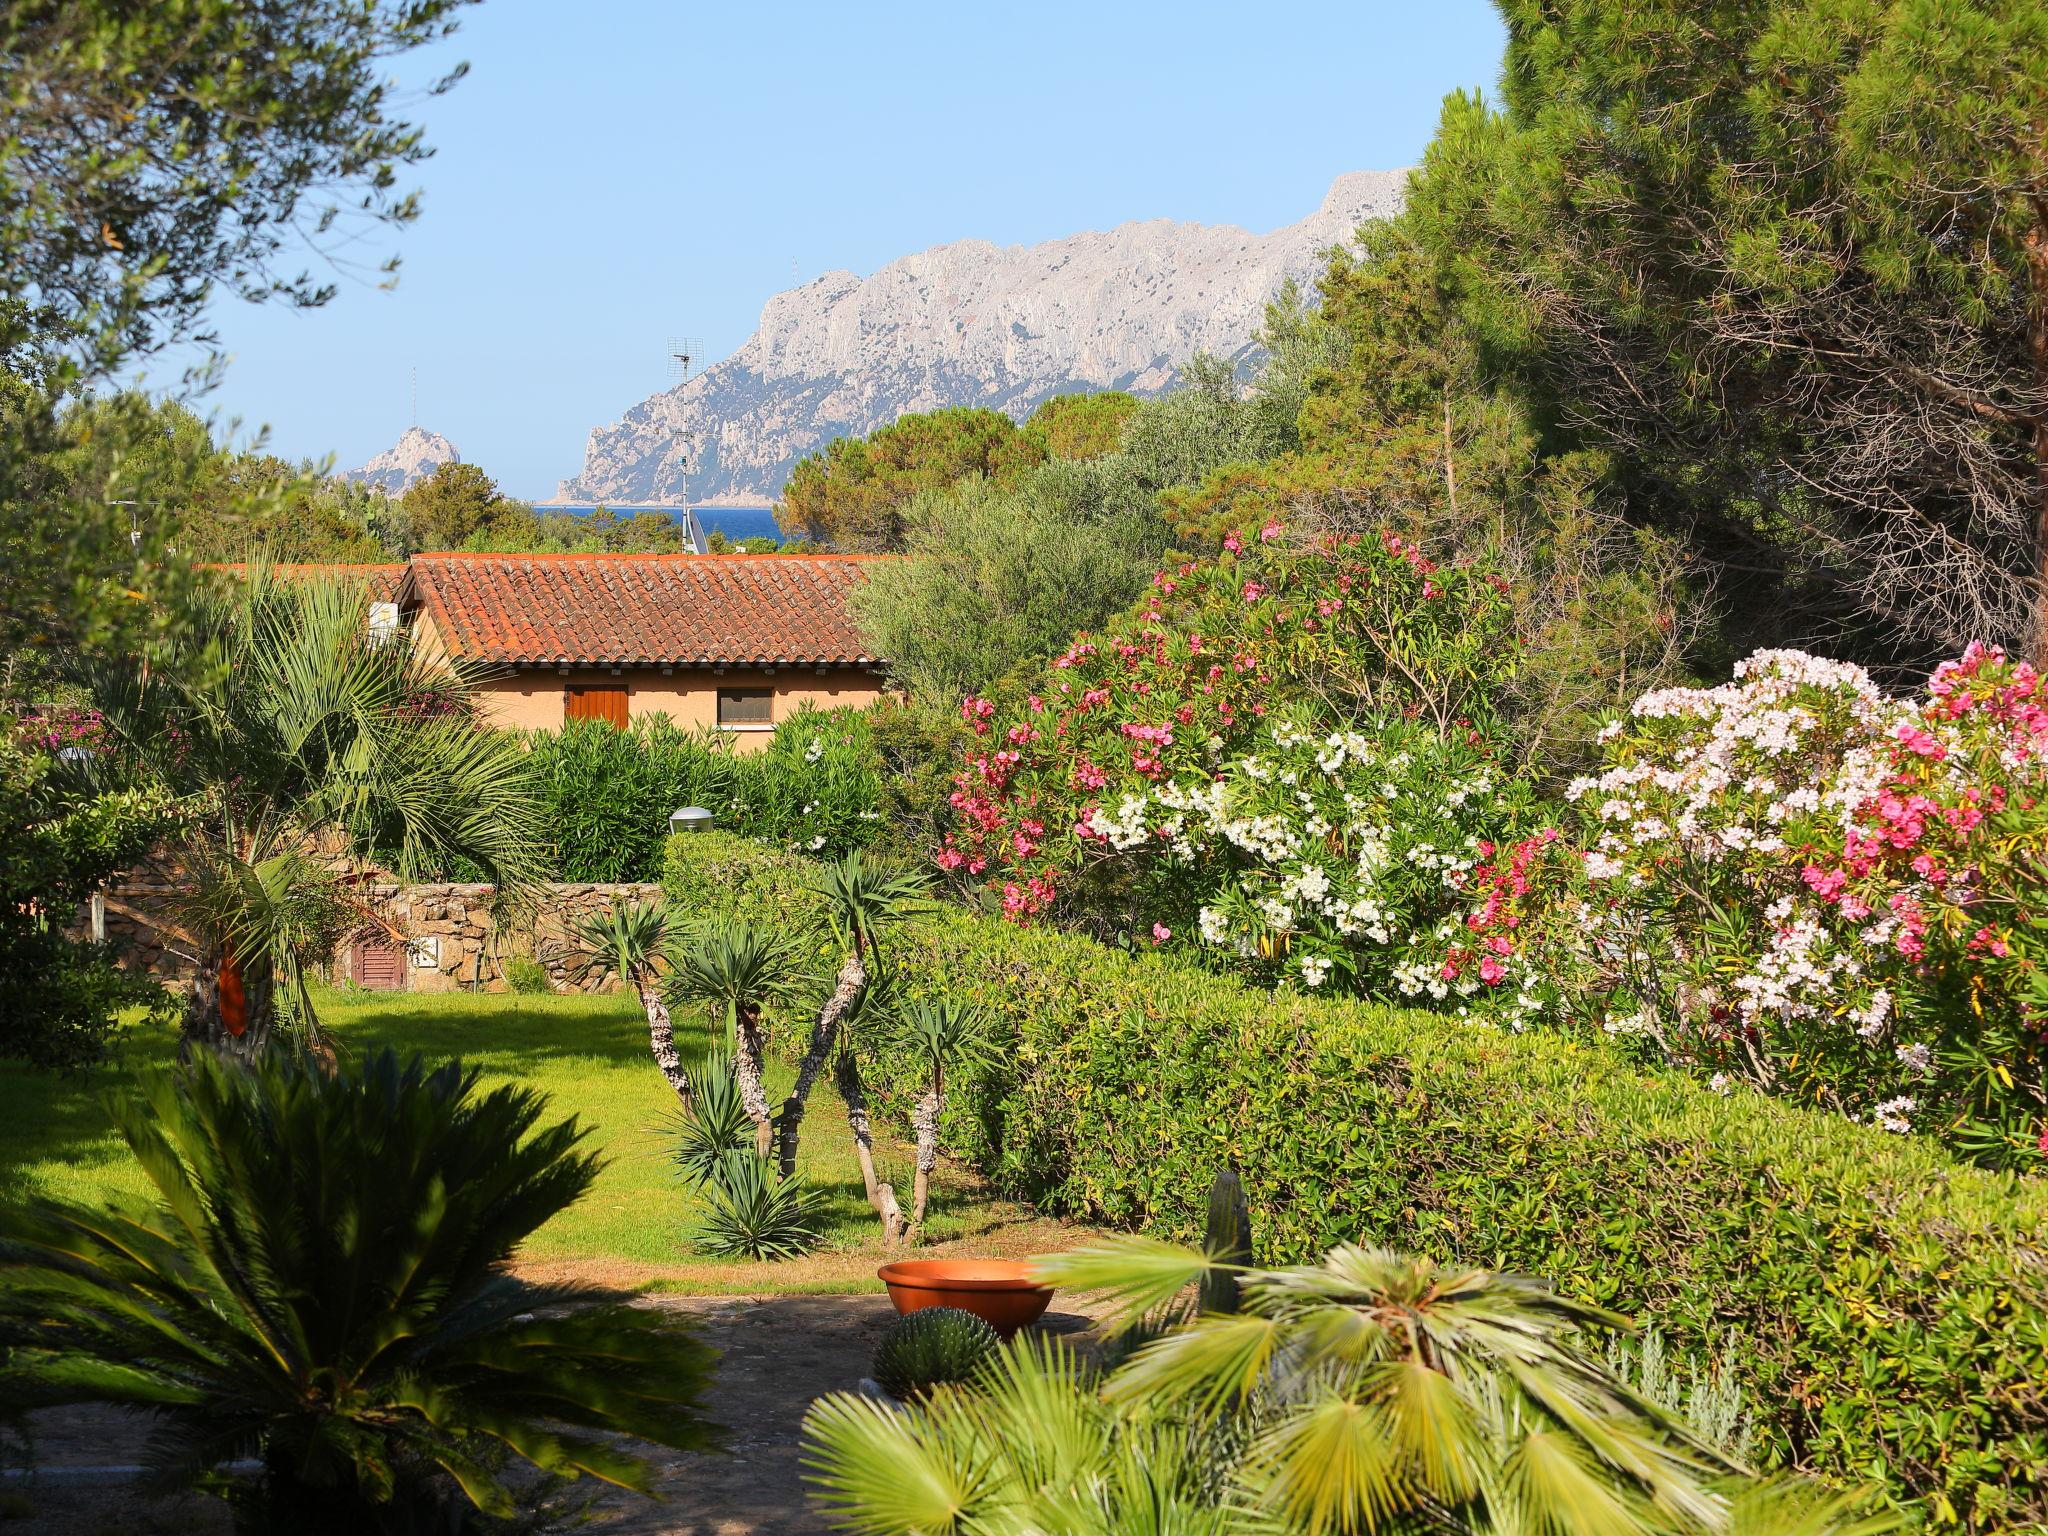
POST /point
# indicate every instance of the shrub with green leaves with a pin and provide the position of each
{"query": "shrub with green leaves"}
(317, 1280)
(609, 793)
(1891, 1299)
(932, 1346)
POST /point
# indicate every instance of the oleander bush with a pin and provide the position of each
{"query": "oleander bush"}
(609, 793)
(1799, 882)
(1894, 1301)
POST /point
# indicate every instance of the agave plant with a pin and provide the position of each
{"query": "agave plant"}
(863, 898)
(739, 970)
(754, 1213)
(629, 941)
(308, 751)
(318, 1283)
(713, 1122)
(1375, 1391)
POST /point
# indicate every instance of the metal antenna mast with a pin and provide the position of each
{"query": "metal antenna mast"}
(415, 394)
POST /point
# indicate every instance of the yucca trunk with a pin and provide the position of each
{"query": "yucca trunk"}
(232, 1005)
(746, 1074)
(661, 1035)
(853, 978)
(924, 1122)
(881, 1196)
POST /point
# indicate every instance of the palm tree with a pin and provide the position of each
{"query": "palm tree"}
(936, 1035)
(1375, 1391)
(739, 969)
(862, 898)
(307, 753)
(318, 1283)
(630, 941)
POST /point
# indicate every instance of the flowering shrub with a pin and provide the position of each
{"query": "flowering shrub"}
(1058, 807)
(1798, 882)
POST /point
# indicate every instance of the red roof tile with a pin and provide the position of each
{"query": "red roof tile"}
(667, 609)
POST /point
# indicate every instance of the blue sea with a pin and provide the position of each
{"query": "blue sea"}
(733, 522)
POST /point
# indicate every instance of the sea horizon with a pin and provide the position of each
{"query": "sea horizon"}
(733, 522)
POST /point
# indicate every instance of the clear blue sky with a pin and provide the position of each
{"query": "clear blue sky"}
(614, 172)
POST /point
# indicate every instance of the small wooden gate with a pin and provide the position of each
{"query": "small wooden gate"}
(376, 964)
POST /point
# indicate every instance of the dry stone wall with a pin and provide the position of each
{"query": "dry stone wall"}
(453, 941)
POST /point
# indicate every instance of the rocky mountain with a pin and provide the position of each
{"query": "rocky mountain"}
(964, 324)
(413, 457)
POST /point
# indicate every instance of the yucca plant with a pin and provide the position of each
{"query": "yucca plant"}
(317, 1282)
(630, 941)
(863, 898)
(938, 1036)
(738, 969)
(307, 751)
(755, 1213)
(713, 1122)
(1375, 1391)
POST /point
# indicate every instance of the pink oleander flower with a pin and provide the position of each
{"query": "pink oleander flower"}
(1161, 933)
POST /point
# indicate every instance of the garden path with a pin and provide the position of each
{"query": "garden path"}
(777, 1353)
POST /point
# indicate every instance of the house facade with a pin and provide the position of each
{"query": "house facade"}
(733, 643)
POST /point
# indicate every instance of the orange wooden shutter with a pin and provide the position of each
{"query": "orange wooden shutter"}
(596, 701)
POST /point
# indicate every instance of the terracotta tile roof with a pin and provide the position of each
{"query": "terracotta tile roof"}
(667, 609)
(383, 580)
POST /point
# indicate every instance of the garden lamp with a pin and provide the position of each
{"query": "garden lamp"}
(691, 818)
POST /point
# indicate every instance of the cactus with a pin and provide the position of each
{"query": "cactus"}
(1228, 1237)
(931, 1346)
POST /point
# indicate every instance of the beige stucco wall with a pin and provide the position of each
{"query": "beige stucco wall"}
(534, 698)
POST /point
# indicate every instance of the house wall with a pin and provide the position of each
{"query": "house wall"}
(534, 698)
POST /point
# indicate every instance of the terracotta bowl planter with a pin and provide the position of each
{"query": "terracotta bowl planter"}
(999, 1291)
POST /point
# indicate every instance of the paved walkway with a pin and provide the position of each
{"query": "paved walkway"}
(777, 1354)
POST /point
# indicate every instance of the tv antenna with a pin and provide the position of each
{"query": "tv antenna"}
(683, 353)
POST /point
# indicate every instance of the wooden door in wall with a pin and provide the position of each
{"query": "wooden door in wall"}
(595, 701)
(376, 964)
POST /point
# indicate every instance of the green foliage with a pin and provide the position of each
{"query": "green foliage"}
(995, 577)
(1782, 261)
(527, 976)
(1080, 426)
(852, 494)
(1889, 1298)
(319, 1281)
(60, 839)
(754, 1213)
(713, 1123)
(454, 504)
(153, 153)
(286, 727)
(1374, 1391)
(625, 941)
(933, 1346)
(608, 793)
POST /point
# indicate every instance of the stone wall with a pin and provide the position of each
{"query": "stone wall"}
(453, 942)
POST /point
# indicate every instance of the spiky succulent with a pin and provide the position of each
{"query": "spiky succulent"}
(930, 1346)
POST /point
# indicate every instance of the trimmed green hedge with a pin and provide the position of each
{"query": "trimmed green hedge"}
(1893, 1304)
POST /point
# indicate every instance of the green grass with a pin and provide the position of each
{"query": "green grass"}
(589, 1055)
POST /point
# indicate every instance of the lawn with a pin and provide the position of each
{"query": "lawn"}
(589, 1055)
